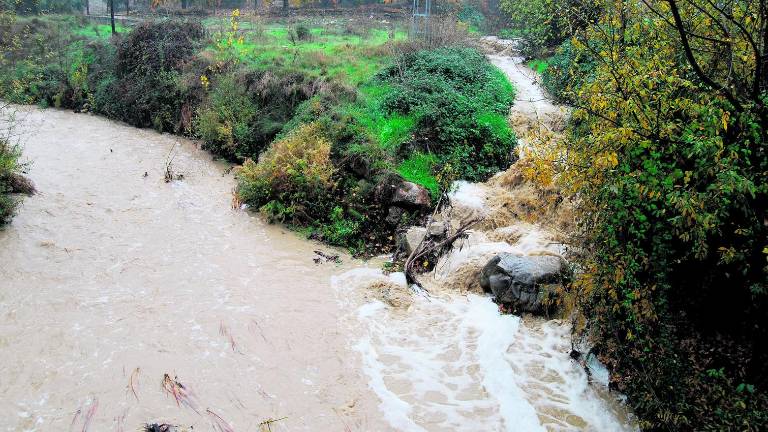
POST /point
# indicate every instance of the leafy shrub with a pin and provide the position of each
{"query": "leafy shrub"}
(293, 179)
(226, 119)
(470, 15)
(667, 159)
(460, 103)
(545, 24)
(303, 32)
(146, 88)
(566, 71)
(41, 6)
(244, 112)
(9, 166)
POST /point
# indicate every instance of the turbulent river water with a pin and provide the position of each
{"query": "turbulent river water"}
(111, 278)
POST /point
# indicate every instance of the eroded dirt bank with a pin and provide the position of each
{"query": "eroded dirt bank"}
(110, 278)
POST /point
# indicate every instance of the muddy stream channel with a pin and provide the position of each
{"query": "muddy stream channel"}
(126, 300)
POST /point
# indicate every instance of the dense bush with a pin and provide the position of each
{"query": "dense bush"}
(460, 103)
(566, 72)
(293, 180)
(244, 111)
(146, 90)
(10, 168)
(545, 24)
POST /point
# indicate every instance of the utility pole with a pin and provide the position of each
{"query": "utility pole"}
(112, 15)
(420, 25)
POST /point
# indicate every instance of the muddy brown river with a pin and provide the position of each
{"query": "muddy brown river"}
(111, 279)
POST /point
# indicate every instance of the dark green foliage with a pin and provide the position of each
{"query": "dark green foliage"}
(146, 87)
(303, 33)
(470, 15)
(460, 102)
(9, 166)
(566, 72)
(245, 111)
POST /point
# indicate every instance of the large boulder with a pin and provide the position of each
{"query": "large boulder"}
(393, 190)
(411, 195)
(527, 283)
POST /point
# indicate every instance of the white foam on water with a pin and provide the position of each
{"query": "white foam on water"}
(454, 363)
(471, 195)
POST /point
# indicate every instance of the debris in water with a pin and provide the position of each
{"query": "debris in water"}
(74, 418)
(266, 425)
(328, 258)
(160, 427)
(219, 424)
(89, 414)
(254, 327)
(133, 381)
(170, 175)
(224, 331)
(180, 393)
(121, 421)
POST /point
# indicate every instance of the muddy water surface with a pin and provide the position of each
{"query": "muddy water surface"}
(110, 278)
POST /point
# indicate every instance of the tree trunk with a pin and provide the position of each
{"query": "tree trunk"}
(127, 7)
(183, 4)
(87, 8)
(285, 6)
(112, 15)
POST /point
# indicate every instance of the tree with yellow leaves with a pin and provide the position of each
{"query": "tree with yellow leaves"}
(667, 159)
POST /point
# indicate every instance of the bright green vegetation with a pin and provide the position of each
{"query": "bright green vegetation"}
(419, 168)
(538, 65)
(9, 167)
(352, 53)
(667, 162)
(317, 113)
(100, 31)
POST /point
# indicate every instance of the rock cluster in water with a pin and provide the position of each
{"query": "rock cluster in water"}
(526, 283)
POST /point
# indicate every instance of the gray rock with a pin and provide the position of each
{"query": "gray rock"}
(392, 190)
(393, 215)
(411, 239)
(409, 194)
(437, 229)
(526, 283)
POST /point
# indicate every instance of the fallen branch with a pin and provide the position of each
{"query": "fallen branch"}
(429, 247)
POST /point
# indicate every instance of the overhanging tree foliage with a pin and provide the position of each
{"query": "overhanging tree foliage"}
(667, 158)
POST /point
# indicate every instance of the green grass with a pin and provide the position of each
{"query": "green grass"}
(99, 31)
(538, 65)
(419, 168)
(351, 58)
(497, 123)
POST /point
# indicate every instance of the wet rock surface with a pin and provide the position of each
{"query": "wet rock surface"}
(524, 282)
(393, 190)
